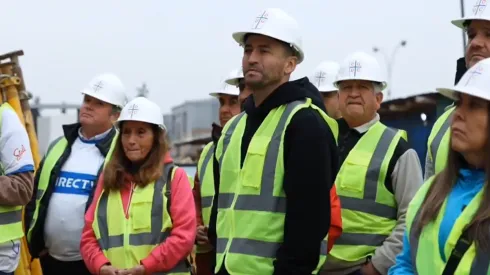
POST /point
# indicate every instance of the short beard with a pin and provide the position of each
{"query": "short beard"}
(256, 85)
(265, 82)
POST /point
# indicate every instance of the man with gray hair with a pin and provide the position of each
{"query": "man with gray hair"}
(378, 177)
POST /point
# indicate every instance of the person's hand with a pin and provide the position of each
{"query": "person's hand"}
(137, 270)
(368, 269)
(202, 235)
(108, 270)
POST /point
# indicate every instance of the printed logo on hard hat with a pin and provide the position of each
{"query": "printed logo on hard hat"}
(98, 86)
(320, 77)
(355, 67)
(475, 73)
(260, 21)
(133, 110)
(479, 7)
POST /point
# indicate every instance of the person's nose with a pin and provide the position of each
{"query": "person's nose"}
(355, 93)
(88, 106)
(476, 43)
(132, 140)
(253, 57)
(225, 109)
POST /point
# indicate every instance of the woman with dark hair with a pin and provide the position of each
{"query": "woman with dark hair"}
(152, 223)
(448, 221)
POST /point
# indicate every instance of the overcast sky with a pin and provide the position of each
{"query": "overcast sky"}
(183, 49)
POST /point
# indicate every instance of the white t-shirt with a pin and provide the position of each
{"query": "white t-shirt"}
(65, 215)
(15, 157)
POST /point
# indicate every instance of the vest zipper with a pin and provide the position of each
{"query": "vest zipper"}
(133, 186)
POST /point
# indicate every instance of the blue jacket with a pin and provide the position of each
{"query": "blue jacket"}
(469, 183)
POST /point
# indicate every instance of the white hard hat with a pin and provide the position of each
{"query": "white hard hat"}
(226, 89)
(108, 88)
(234, 77)
(275, 23)
(324, 76)
(479, 12)
(144, 110)
(361, 66)
(475, 82)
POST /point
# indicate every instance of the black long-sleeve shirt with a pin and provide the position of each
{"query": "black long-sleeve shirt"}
(311, 165)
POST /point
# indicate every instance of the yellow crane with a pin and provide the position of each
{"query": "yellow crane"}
(13, 91)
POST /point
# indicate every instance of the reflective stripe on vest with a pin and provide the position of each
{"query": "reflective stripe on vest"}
(10, 216)
(206, 178)
(369, 209)
(424, 246)
(125, 242)
(438, 141)
(255, 200)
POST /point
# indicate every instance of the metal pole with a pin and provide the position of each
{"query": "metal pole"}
(389, 61)
(461, 2)
(390, 64)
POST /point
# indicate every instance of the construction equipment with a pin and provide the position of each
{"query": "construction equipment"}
(13, 91)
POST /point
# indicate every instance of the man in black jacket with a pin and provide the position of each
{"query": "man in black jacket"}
(66, 178)
(300, 214)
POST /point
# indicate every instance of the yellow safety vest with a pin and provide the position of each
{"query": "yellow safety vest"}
(404, 134)
(438, 142)
(10, 216)
(369, 210)
(125, 242)
(53, 155)
(205, 172)
(251, 202)
(206, 177)
(424, 247)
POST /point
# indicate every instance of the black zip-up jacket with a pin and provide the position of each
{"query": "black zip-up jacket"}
(70, 131)
(311, 165)
(460, 69)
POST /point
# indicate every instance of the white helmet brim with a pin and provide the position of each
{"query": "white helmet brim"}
(240, 39)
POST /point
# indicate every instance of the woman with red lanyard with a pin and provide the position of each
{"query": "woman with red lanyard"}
(152, 223)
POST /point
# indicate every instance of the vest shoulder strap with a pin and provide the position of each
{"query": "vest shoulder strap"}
(416, 203)
(168, 175)
(203, 155)
(332, 123)
(458, 252)
(52, 144)
(403, 133)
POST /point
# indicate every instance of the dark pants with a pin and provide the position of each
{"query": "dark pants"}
(51, 266)
(3, 273)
